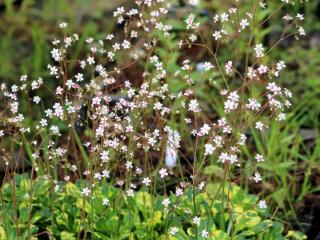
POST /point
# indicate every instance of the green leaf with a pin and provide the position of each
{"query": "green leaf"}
(295, 235)
(214, 170)
(67, 236)
(2, 234)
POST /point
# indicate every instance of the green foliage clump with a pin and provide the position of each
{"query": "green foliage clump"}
(66, 214)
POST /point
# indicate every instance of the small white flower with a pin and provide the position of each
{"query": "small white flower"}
(207, 66)
(36, 99)
(146, 181)
(190, 22)
(259, 50)
(105, 202)
(301, 31)
(166, 202)
(173, 231)
(163, 172)
(194, 106)
(257, 177)
(126, 44)
(209, 149)
(281, 117)
(104, 155)
(63, 25)
(244, 23)
(194, 2)
(259, 158)
(79, 77)
(202, 185)
(196, 220)
(262, 69)
(129, 165)
(228, 68)
(262, 204)
(216, 35)
(85, 192)
(179, 191)
(204, 234)
(253, 104)
(280, 65)
(259, 125)
(130, 192)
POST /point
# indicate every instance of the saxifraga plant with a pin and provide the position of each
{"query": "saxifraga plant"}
(150, 134)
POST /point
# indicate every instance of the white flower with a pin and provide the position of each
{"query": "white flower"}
(129, 165)
(253, 104)
(193, 37)
(281, 117)
(228, 67)
(216, 35)
(259, 125)
(224, 17)
(204, 234)
(163, 172)
(105, 202)
(190, 22)
(204, 130)
(36, 99)
(209, 149)
(196, 220)
(259, 50)
(263, 5)
(300, 16)
(79, 77)
(56, 188)
(251, 73)
(179, 191)
(58, 110)
(280, 65)
(207, 66)
(193, 2)
(97, 176)
(126, 44)
(202, 185)
(259, 158)
(257, 177)
(63, 25)
(262, 204)
(262, 69)
(146, 181)
(166, 202)
(23, 78)
(130, 192)
(233, 158)
(301, 31)
(90, 60)
(223, 157)
(85, 192)
(244, 23)
(105, 174)
(232, 102)
(276, 90)
(104, 155)
(56, 54)
(243, 139)
(173, 231)
(194, 106)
